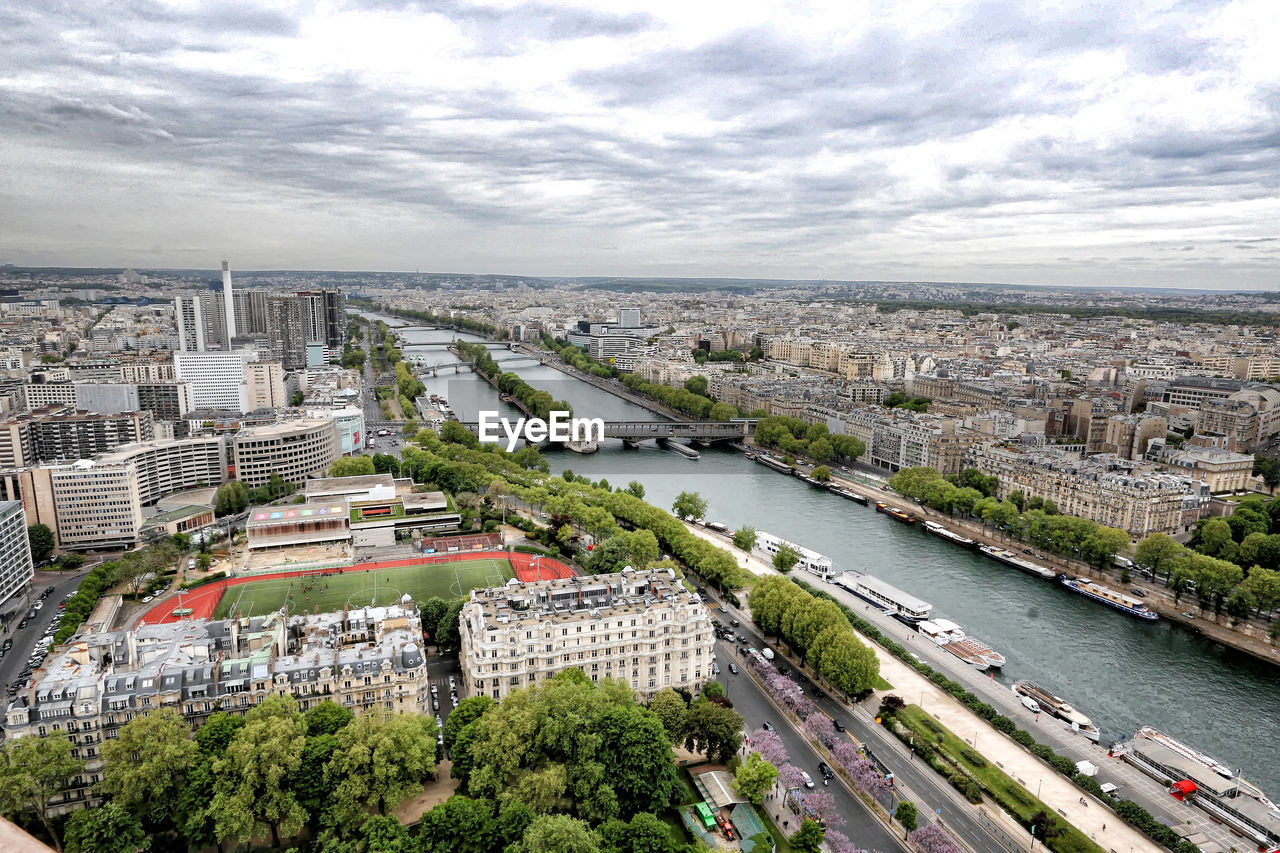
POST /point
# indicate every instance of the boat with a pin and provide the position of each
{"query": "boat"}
(811, 561)
(1217, 790)
(885, 596)
(848, 494)
(1009, 558)
(1109, 597)
(684, 450)
(895, 513)
(950, 535)
(1057, 706)
(770, 462)
(952, 638)
(811, 481)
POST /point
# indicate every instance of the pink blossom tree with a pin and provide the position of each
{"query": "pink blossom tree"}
(770, 747)
(790, 776)
(932, 838)
(838, 843)
(824, 804)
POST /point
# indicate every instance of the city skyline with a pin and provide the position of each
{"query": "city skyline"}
(1136, 147)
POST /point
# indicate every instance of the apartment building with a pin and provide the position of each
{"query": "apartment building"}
(1193, 391)
(1103, 489)
(296, 450)
(641, 627)
(1246, 421)
(63, 432)
(1128, 436)
(16, 567)
(366, 659)
(217, 379)
(1223, 470)
(264, 386)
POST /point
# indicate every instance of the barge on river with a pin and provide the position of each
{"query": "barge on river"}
(885, 596)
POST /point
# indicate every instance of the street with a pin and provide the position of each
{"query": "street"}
(15, 660)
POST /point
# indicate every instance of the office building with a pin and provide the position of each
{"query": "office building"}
(326, 318)
(97, 503)
(188, 316)
(251, 312)
(62, 432)
(228, 303)
(629, 318)
(289, 320)
(264, 386)
(365, 659)
(217, 379)
(641, 627)
(16, 567)
(295, 450)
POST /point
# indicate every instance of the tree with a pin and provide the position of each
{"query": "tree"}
(722, 412)
(380, 760)
(459, 825)
(906, 815)
(672, 711)
(713, 730)
(689, 505)
(251, 787)
(41, 539)
(1215, 535)
(326, 718)
(844, 661)
(468, 711)
(308, 780)
(636, 488)
(1103, 544)
(822, 473)
(754, 778)
(786, 558)
(33, 770)
(644, 834)
(216, 734)
(556, 834)
(351, 466)
(145, 766)
(696, 385)
(745, 538)
(1157, 552)
(107, 829)
(808, 838)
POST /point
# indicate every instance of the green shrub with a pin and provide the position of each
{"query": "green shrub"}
(1063, 765)
(1023, 737)
(973, 758)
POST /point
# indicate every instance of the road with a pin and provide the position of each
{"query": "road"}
(24, 639)
(929, 789)
(1134, 785)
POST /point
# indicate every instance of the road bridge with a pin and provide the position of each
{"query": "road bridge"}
(634, 432)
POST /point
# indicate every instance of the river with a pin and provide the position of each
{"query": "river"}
(1122, 672)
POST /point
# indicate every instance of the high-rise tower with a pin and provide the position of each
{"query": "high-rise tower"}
(228, 302)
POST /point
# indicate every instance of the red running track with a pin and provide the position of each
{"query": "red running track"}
(203, 600)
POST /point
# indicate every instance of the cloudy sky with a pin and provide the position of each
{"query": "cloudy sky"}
(1112, 143)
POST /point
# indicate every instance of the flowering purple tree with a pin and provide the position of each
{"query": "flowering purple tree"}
(867, 777)
(932, 838)
(819, 726)
(846, 754)
(838, 843)
(790, 776)
(824, 804)
(770, 747)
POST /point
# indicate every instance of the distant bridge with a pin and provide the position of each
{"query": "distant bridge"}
(634, 432)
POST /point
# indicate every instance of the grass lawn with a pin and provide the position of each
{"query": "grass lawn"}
(995, 783)
(356, 589)
(881, 684)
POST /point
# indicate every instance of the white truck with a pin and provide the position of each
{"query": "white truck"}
(767, 654)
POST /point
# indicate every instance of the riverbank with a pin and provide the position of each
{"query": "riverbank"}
(610, 386)
(1250, 639)
(1095, 820)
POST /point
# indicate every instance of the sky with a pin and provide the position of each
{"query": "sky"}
(1113, 143)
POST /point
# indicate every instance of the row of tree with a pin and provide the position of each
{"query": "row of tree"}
(234, 497)
(274, 770)
(691, 403)
(1068, 535)
(137, 569)
(1219, 585)
(794, 436)
(817, 631)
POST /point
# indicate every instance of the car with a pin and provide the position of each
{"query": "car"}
(454, 700)
(808, 780)
(48, 590)
(742, 638)
(733, 667)
(31, 614)
(782, 670)
(439, 722)
(1138, 591)
(39, 604)
(8, 644)
(838, 724)
(825, 769)
(715, 669)
(146, 599)
(22, 624)
(733, 622)
(434, 690)
(61, 605)
(1, 654)
(767, 726)
(435, 703)
(452, 684)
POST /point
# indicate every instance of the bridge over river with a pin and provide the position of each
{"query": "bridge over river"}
(634, 432)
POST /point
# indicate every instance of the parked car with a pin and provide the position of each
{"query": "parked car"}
(767, 726)
(733, 667)
(808, 780)
(146, 599)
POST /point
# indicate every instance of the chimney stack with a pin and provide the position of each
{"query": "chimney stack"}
(228, 303)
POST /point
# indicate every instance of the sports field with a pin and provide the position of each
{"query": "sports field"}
(352, 589)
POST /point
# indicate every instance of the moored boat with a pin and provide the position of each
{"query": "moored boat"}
(1009, 558)
(848, 494)
(952, 638)
(895, 513)
(1058, 707)
(950, 535)
(769, 462)
(885, 596)
(1108, 596)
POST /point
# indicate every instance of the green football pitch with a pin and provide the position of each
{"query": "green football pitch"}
(361, 588)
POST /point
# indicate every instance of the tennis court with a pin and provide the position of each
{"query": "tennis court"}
(351, 589)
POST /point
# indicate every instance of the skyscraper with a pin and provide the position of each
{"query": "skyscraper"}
(228, 302)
